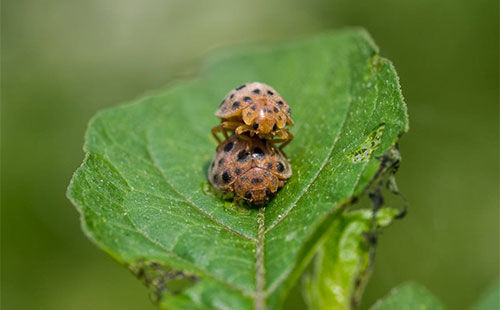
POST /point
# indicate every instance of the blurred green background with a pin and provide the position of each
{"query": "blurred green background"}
(62, 60)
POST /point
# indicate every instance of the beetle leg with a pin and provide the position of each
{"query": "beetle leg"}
(286, 137)
(216, 130)
(224, 127)
(230, 126)
(241, 130)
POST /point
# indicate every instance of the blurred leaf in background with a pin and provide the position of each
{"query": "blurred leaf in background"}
(63, 60)
(408, 296)
(490, 299)
(344, 261)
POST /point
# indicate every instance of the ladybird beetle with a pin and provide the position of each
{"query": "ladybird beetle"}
(255, 109)
(254, 175)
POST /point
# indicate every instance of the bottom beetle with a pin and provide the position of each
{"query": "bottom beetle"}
(251, 168)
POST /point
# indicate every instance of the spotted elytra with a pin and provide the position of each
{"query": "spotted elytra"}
(255, 109)
(251, 168)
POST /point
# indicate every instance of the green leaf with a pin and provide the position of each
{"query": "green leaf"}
(408, 296)
(140, 189)
(343, 261)
(490, 300)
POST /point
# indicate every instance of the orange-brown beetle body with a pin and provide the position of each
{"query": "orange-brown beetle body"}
(251, 168)
(255, 109)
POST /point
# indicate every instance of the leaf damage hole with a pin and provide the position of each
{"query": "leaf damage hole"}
(375, 65)
(365, 151)
(162, 279)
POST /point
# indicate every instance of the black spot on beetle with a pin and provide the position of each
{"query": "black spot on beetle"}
(242, 86)
(240, 187)
(248, 195)
(280, 166)
(276, 110)
(255, 126)
(221, 162)
(215, 178)
(243, 178)
(232, 96)
(237, 171)
(289, 111)
(268, 192)
(270, 93)
(222, 103)
(212, 165)
(256, 91)
(254, 107)
(280, 103)
(226, 176)
(258, 152)
(247, 99)
(228, 147)
(269, 111)
(236, 105)
(275, 127)
(242, 156)
(256, 180)
(269, 166)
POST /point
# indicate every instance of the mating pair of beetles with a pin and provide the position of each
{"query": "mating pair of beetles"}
(249, 163)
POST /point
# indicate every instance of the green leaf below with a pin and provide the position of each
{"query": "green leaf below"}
(140, 188)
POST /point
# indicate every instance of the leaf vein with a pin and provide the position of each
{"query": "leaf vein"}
(314, 178)
(155, 165)
(155, 242)
(196, 207)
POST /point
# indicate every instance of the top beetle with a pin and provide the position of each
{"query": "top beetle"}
(257, 109)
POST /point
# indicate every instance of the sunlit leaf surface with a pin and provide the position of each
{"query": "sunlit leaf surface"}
(141, 194)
